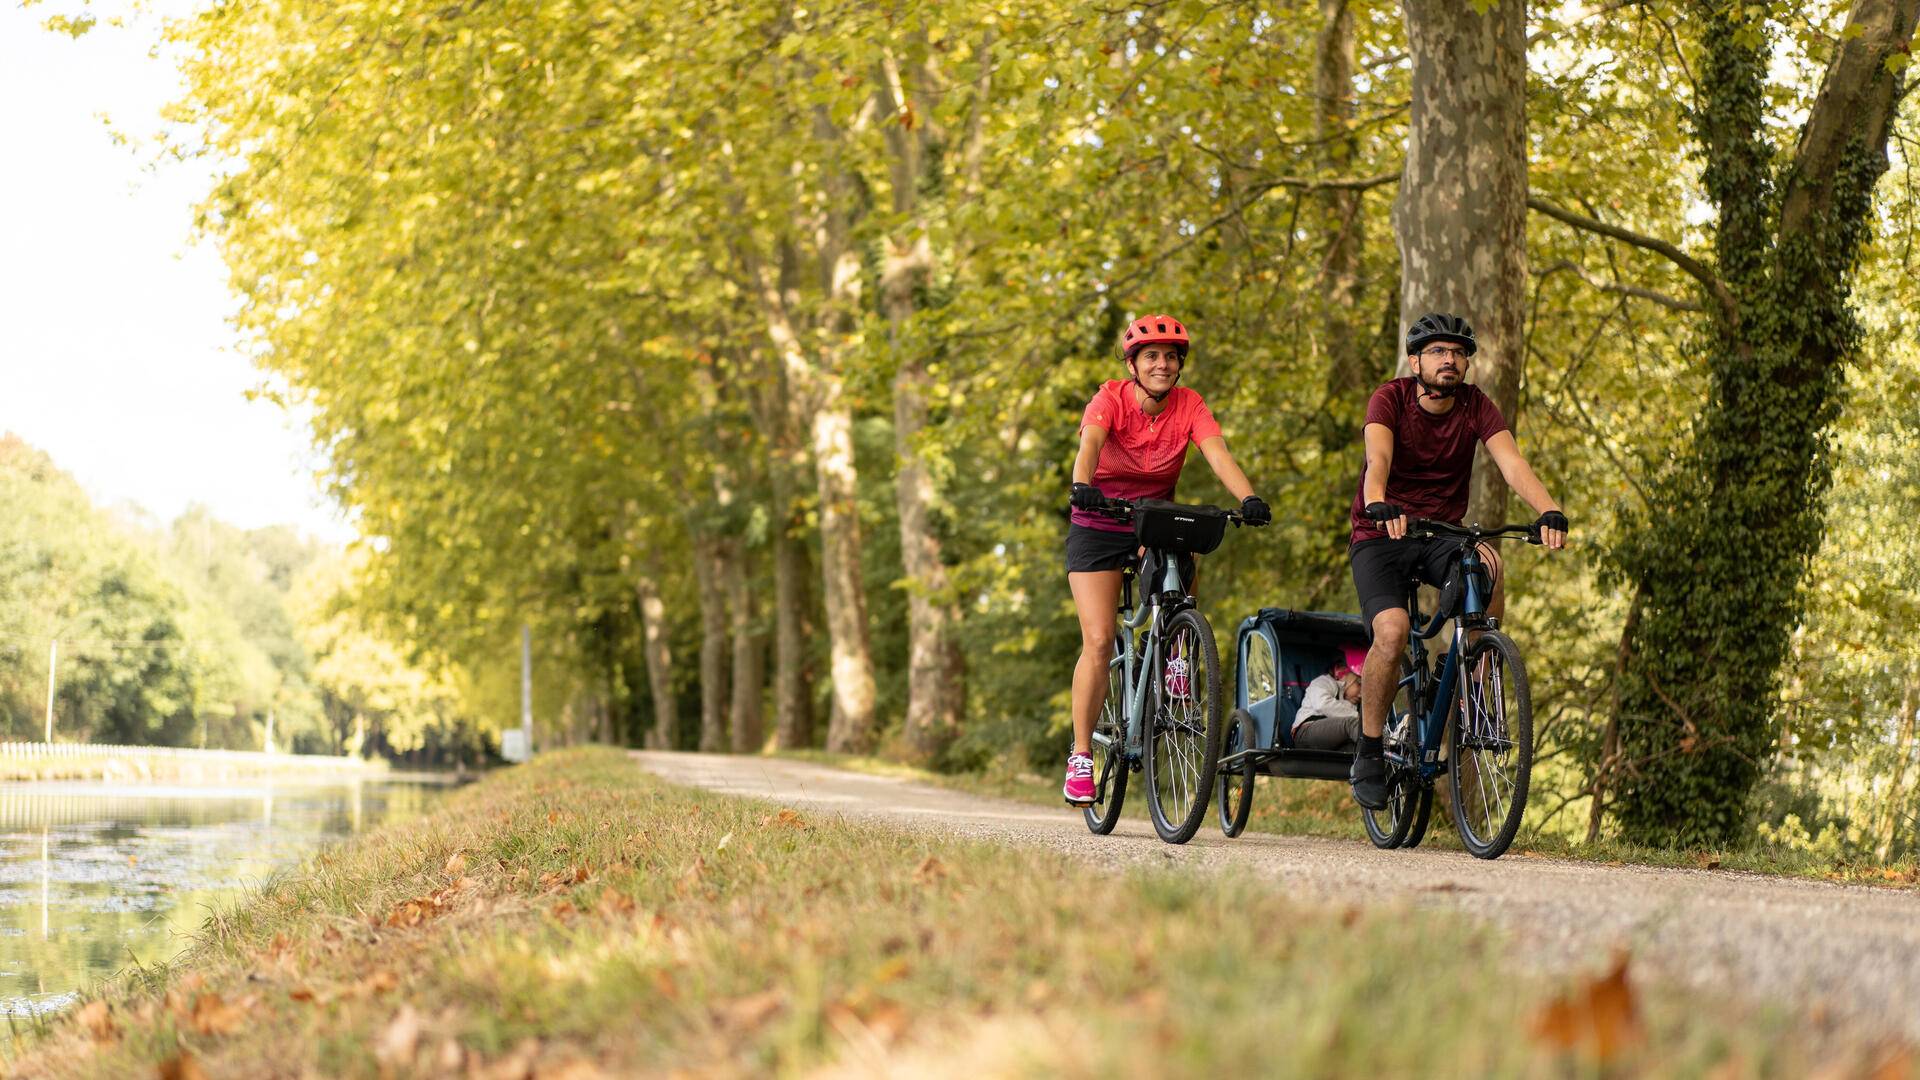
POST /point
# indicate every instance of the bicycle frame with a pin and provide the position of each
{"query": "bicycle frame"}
(1432, 727)
(1133, 674)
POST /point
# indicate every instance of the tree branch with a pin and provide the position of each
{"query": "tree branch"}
(1354, 183)
(1624, 289)
(1728, 308)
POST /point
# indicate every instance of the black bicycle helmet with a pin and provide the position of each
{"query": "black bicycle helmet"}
(1439, 326)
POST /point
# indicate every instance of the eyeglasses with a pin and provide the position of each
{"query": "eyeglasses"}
(1445, 352)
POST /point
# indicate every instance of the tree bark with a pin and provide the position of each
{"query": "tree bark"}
(1341, 225)
(714, 695)
(1893, 811)
(747, 716)
(792, 690)
(935, 690)
(659, 657)
(1460, 215)
(849, 642)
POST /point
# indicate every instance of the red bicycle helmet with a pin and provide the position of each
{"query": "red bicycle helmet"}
(1153, 330)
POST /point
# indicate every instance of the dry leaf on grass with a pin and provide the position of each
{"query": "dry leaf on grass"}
(181, 1067)
(396, 1044)
(747, 1013)
(929, 871)
(577, 1069)
(563, 910)
(614, 902)
(379, 982)
(97, 1018)
(693, 875)
(1602, 1019)
(210, 1014)
(456, 864)
(786, 819)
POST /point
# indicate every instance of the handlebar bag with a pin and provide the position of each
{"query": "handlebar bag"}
(1172, 526)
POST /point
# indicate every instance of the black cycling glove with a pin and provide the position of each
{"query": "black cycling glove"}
(1552, 519)
(1253, 510)
(1383, 511)
(1086, 497)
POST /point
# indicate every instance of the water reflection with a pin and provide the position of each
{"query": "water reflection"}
(127, 872)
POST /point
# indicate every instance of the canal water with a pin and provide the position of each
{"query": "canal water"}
(97, 874)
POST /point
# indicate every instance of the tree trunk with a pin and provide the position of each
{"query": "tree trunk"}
(714, 696)
(935, 691)
(659, 657)
(747, 716)
(1732, 534)
(1893, 811)
(1344, 334)
(792, 691)
(1461, 212)
(851, 648)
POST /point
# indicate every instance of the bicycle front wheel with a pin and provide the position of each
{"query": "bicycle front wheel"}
(1109, 753)
(1492, 746)
(1183, 738)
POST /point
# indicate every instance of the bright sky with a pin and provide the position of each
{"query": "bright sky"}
(115, 356)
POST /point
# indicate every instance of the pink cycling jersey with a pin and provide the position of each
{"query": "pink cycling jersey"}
(1143, 455)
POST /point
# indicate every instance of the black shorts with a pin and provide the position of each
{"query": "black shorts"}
(1100, 549)
(1383, 567)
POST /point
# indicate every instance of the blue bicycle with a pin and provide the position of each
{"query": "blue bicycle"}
(1162, 712)
(1472, 719)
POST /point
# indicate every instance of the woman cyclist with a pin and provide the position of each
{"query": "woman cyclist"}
(1133, 443)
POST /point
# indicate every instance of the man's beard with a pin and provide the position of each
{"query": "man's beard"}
(1438, 391)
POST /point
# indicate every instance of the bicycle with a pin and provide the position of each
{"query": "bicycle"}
(1161, 716)
(1485, 722)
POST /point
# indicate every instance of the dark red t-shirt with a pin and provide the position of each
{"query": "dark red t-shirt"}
(1432, 455)
(1143, 455)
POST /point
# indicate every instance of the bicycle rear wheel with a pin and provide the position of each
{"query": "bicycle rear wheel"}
(1183, 738)
(1236, 782)
(1109, 752)
(1492, 746)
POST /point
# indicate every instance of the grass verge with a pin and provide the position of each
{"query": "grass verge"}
(576, 917)
(1295, 807)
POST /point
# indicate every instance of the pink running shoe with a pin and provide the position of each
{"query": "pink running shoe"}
(1079, 786)
(1179, 686)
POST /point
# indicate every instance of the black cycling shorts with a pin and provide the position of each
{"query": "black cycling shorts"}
(1100, 549)
(1382, 568)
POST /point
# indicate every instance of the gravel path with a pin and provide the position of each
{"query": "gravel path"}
(1847, 952)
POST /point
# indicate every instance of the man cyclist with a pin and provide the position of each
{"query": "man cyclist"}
(1420, 434)
(1134, 436)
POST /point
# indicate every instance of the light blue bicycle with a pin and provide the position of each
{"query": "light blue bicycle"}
(1162, 715)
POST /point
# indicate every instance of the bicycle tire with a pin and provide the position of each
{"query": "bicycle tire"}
(1110, 761)
(1183, 737)
(1390, 826)
(1491, 746)
(1235, 794)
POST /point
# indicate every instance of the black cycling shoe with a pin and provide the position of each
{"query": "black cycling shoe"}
(1369, 782)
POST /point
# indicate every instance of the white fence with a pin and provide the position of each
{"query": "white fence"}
(40, 751)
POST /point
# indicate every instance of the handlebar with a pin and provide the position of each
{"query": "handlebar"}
(1430, 529)
(1121, 510)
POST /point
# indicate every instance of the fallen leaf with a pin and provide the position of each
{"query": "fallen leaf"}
(693, 874)
(563, 910)
(786, 819)
(213, 1015)
(181, 1067)
(380, 982)
(614, 902)
(304, 993)
(748, 1013)
(1601, 1020)
(396, 1045)
(455, 864)
(97, 1018)
(929, 871)
(576, 1069)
